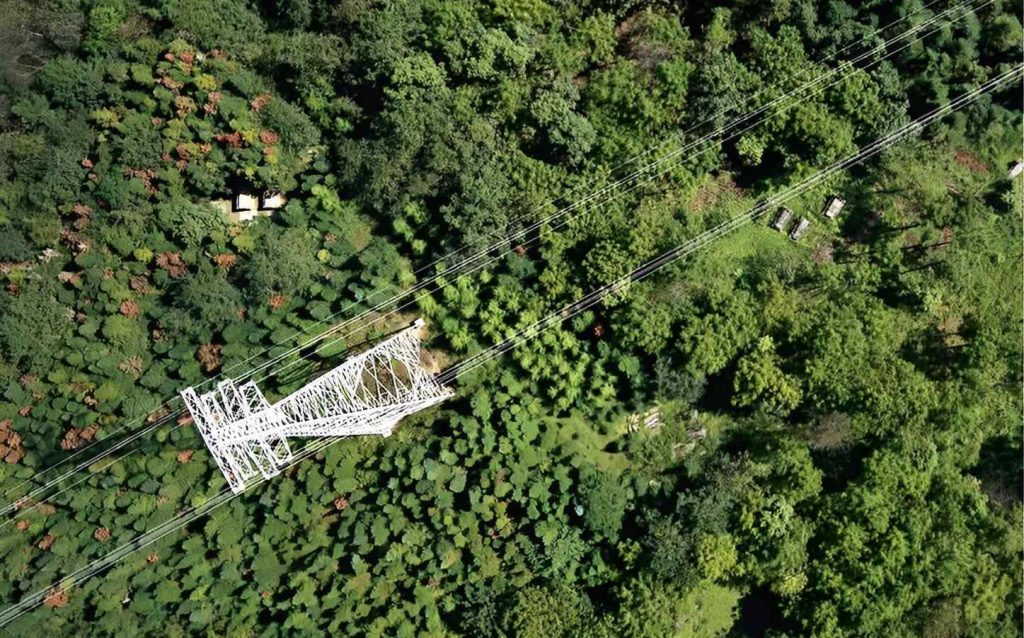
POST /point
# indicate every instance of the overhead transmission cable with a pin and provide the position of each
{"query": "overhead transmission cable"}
(652, 175)
(535, 226)
(185, 517)
(671, 157)
(688, 247)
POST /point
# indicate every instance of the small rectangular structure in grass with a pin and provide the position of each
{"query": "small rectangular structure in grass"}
(833, 207)
(650, 420)
(246, 206)
(782, 219)
(800, 230)
(1017, 169)
(246, 202)
(272, 200)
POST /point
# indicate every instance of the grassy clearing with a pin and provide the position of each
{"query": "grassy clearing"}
(582, 440)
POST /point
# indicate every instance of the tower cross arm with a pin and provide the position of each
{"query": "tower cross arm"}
(369, 393)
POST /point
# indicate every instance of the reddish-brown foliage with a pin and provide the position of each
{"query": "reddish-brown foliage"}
(46, 542)
(269, 137)
(145, 175)
(10, 443)
(139, 284)
(101, 534)
(340, 503)
(173, 264)
(75, 438)
(170, 83)
(212, 102)
(56, 598)
(129, 308)
(233, 140)
(970, 162)
(260, 101)
(152, 558)
(185, 456)
(209, 356)
(277, 301)
(225, 260)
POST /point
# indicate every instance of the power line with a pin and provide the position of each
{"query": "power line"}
(706, 237)
(666, 163)
(652, 176)
(185, 517)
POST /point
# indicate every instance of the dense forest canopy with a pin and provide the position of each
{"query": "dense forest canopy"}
(771, 438)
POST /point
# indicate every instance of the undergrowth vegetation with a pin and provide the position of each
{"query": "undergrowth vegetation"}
(770, 438)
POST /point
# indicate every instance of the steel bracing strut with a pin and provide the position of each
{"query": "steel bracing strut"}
(367, 394)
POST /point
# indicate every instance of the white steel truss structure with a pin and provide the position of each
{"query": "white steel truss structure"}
(367, 394)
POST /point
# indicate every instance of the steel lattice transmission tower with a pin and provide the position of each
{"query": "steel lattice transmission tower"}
(368, 394)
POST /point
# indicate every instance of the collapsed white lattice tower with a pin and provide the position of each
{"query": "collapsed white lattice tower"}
(368, 394)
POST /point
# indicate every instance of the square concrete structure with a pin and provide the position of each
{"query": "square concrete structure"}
(833, 207)
(783, 218)
(246, 202)
(245, 206)
(800, 230)
(272, 200)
